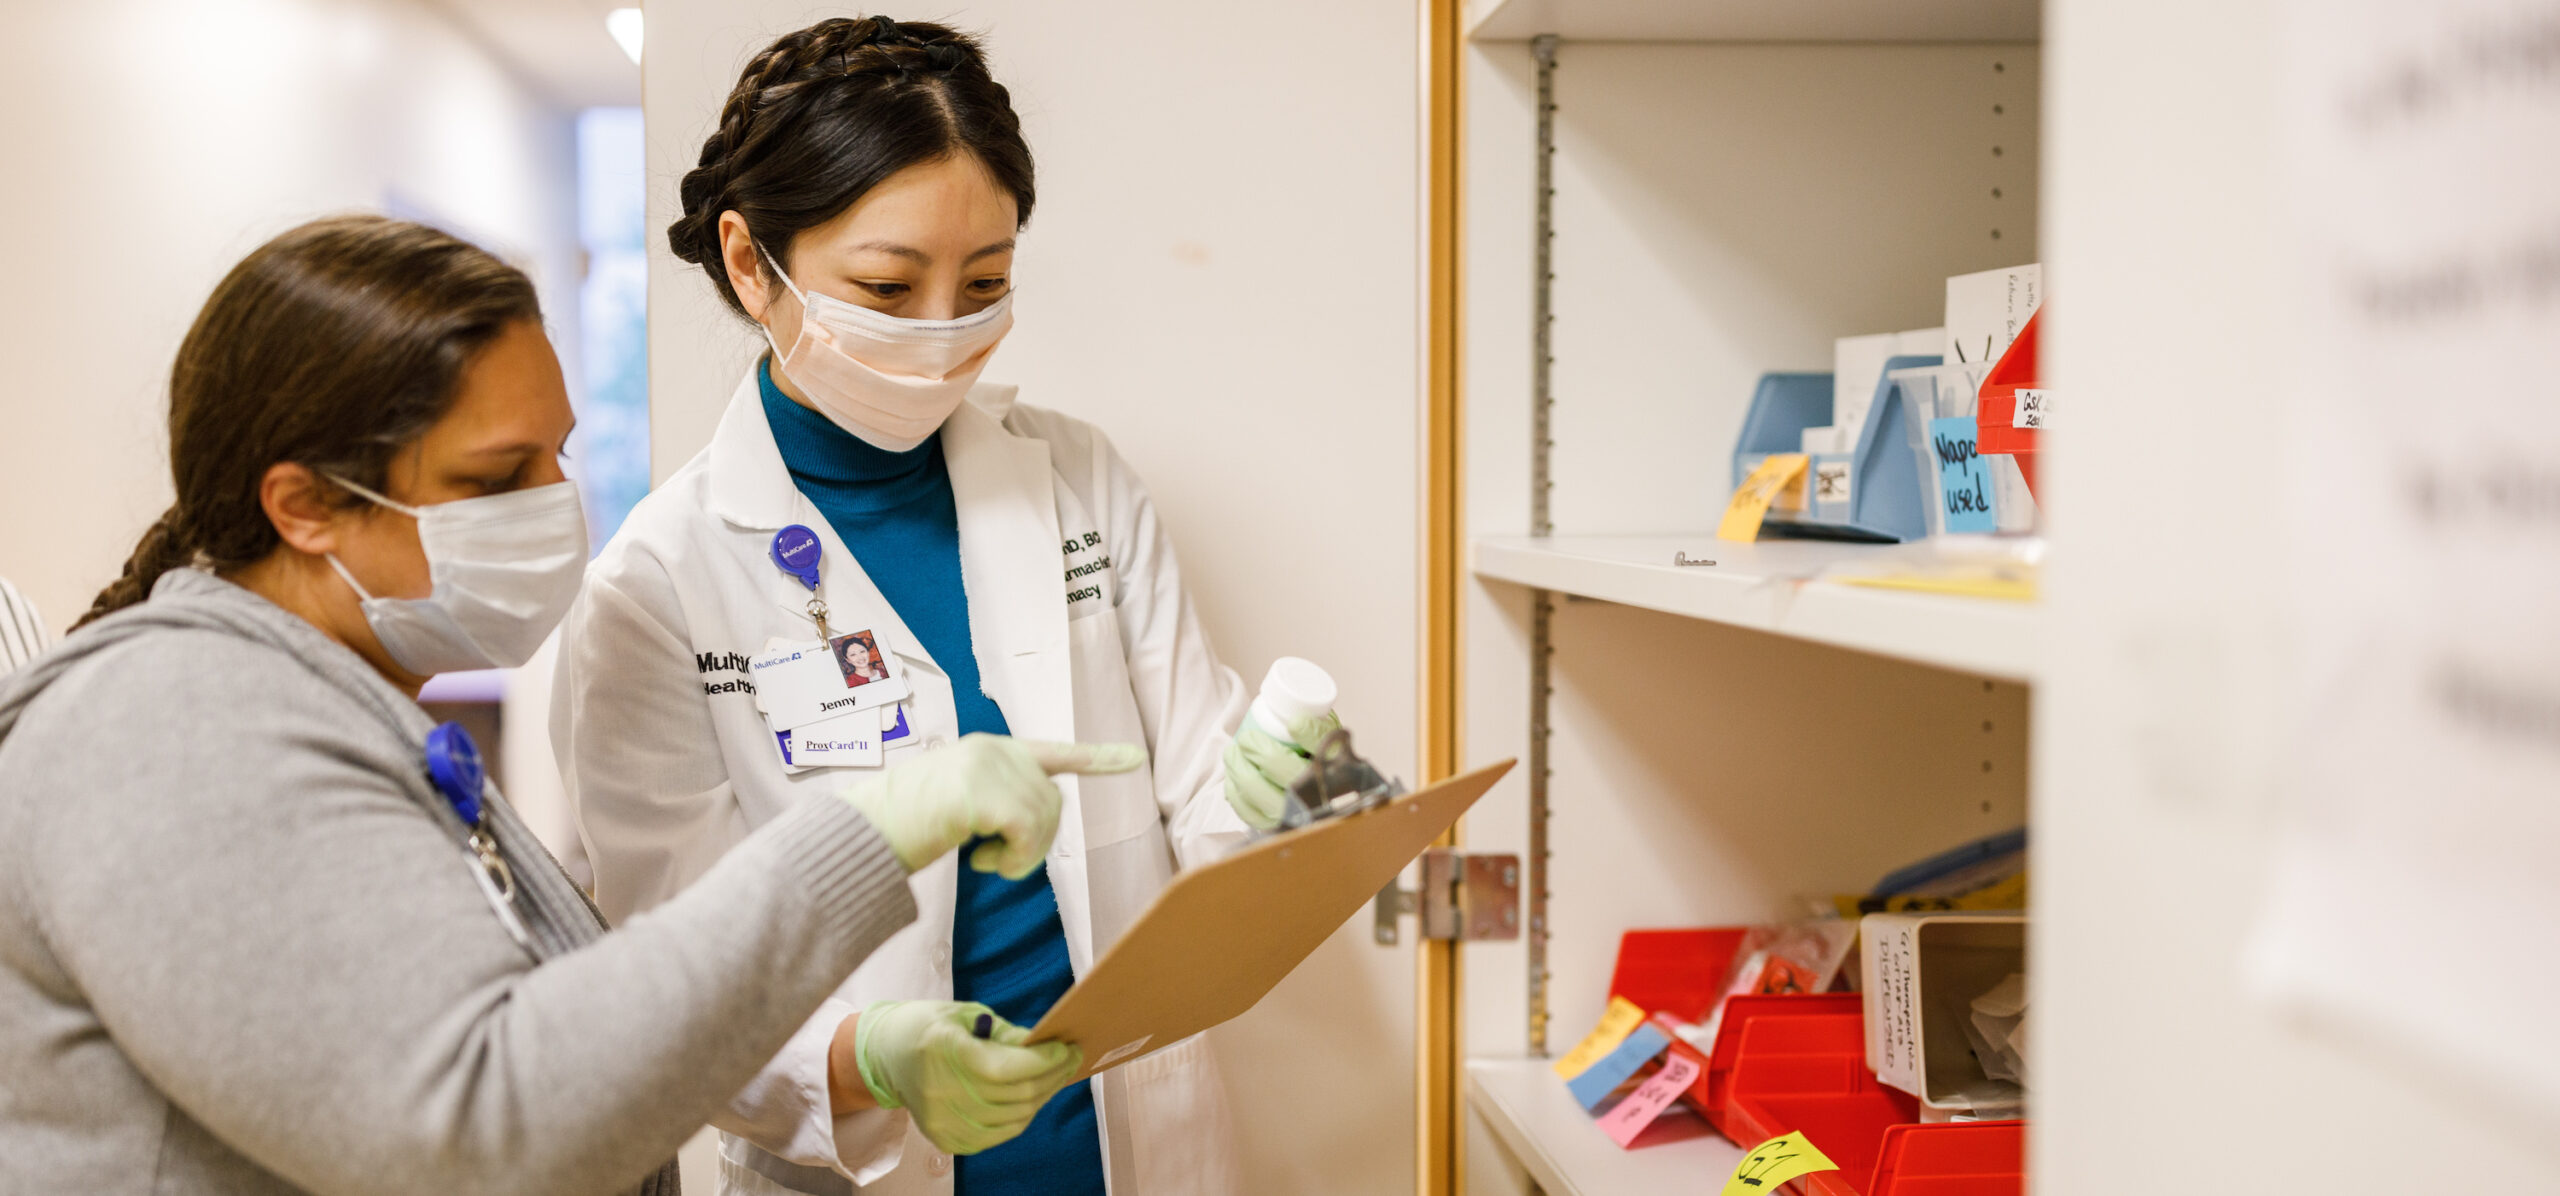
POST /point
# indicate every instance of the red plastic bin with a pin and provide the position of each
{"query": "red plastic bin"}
(1710, 1092)
(1996, 428)
(1675, 972)
(1958, 1158)
(1810, 1074)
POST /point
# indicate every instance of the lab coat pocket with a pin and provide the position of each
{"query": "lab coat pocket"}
(1180, 1131)
(1117, 807)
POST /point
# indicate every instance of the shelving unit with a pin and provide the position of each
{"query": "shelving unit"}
(1556, 1143)
(1757, 20)
(1768, 586)
(1694, 194)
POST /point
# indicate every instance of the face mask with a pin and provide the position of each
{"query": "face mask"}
(505, 569)
(889, 381)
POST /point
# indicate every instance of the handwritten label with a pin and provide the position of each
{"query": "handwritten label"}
(1602, 1078)
(2035, 408)
(1774, 1162)
(1620, 1020)
(1964, 482)
(1893, 1029)
(1751, 499)
(1649, 1099)
(1831, 482)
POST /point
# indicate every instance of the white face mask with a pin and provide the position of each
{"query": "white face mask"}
(887, 380)
(505, 566)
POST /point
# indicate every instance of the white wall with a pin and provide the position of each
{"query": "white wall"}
(151, 144)
(1222, 273)
(2161, 733)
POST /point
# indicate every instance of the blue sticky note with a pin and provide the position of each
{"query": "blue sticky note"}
(1964, 482)
(1600, 1079)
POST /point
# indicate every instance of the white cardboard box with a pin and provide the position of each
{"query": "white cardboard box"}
(1922, 972)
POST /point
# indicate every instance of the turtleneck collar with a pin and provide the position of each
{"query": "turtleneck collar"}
(828, 462)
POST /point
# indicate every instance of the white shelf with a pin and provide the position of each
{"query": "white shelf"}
(1764, 586)
(1758, 20)
(1526, 1106)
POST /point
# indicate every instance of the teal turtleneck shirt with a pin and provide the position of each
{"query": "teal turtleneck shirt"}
(896, 513)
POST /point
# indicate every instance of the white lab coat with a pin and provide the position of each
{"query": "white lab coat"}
(668, 762)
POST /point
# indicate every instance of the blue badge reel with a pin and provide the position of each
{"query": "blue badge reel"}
(453, 763)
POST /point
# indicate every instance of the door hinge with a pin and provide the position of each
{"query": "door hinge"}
(1465, 896)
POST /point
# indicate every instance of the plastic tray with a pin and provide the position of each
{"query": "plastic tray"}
(1709, 1094)
(1809, 1075)
(1886, 495)
(1968, 1158)
(1675, 972)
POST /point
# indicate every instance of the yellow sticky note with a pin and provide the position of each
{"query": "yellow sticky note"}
(1752, 498)
(1774, 1162)
(1621, 1020)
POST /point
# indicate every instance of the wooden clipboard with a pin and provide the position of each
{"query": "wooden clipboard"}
(1223, 934)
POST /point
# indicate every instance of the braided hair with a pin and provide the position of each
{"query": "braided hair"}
(825, 114)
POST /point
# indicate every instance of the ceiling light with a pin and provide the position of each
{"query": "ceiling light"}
(624, 25)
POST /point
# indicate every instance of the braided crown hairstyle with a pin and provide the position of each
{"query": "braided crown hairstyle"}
(825, 114)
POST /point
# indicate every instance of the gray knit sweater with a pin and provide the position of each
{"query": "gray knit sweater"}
(242, 951)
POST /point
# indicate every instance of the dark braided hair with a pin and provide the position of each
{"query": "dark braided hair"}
(829, 112)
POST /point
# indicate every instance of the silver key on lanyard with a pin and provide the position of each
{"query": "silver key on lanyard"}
(795, 551)
(453, 764)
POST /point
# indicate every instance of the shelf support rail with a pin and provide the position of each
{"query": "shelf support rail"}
(1542, 605)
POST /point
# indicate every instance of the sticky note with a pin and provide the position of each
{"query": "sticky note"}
(1649, 1099)
(1620, 1020)
(1602, 1078)
(1751, 499)
(1774, 1162)
(1964, 482)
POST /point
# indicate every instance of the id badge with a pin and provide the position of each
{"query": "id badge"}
(847, 740)
(800, 684)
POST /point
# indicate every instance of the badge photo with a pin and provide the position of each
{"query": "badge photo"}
(859, 659)
(799, 684)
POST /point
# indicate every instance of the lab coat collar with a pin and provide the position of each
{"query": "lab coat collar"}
(752, 488)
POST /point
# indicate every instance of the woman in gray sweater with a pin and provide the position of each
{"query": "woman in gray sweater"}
(251, 943)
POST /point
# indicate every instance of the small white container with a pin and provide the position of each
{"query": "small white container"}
(1293, 691)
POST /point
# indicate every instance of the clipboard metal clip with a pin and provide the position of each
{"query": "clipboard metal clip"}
(1337, 782)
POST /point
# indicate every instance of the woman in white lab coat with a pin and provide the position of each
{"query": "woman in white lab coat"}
(859, 202)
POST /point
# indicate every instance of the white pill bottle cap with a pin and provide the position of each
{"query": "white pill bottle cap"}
(1295, 690)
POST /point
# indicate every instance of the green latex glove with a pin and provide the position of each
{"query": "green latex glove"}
(988, 785)
(966, 1093)
(1260, 769)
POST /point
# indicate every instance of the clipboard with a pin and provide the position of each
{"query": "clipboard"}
(1223, 934)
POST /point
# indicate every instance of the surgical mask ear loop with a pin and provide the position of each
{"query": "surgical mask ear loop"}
(349, 578)
(778, 355)
(363, 595)
(394, 504)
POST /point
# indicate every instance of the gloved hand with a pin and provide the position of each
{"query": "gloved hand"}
(966, 1093)
(1260, 768)
(988, 785)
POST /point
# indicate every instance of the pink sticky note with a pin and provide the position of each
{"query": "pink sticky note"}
(1649, 1099)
